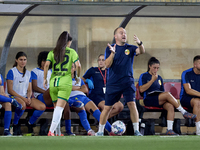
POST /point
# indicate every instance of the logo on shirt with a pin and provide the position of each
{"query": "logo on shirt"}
(127, 52)
(97, 72)
(21, 81)
(159, 82)
(191, 80)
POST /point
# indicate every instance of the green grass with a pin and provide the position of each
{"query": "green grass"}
(100, 143)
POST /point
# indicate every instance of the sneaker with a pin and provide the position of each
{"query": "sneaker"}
(77, 104)
(171, 132)
(189, 115)
(91, 132)
(112, 134)
(50, 134)
(30, 127)
(16, 104)
(17, 129)
(7, 133)
(137, 133)
(99, 134)
(60, 134)
(69, 133)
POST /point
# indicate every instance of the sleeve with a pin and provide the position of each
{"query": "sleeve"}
(82, 83)
(88, 73)
(9, 75)
(142, 80)
(49, 56)
(107, 52)
(2, 81)
(162, 85)
(75, 56)
(33, 75)
(30, 80)
(184, 78)
(134, 49)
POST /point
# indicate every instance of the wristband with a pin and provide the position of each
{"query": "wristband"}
(139, 44)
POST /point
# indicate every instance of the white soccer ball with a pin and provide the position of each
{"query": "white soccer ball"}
(118, 127)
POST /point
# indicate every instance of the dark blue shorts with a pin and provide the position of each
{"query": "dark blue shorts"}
(152, 101)
(185, 101)
(41, 98)
(97, 98)
(113, 94)
(84, 99)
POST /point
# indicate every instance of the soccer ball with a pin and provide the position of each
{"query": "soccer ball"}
(118, 127)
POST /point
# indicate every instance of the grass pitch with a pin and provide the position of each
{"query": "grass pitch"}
(100, 143)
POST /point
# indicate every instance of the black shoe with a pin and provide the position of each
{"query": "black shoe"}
(30, 127)
(17, 129)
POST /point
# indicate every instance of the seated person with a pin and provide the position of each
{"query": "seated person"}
(6, 102)
(152, 89)
(96, 78)
(77, 93)
(190, 90)
(19, 85)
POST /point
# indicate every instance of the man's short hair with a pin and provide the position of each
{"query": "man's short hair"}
(196, 58)
(117, 29)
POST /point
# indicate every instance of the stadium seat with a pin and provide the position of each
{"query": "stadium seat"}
(174, 88)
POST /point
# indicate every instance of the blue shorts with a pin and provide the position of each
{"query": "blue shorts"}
(152, 101)
(113, 94)
(185, 101)
(41, 98)
(82, 98)
(97, 98)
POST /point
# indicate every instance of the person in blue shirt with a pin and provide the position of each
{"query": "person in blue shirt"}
(96, 78)
(190, 90)
(6, 103)
(19, 85)
(119, 61)
(152, 89)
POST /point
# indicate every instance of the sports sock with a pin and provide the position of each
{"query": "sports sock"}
(5, 99)
(7, 119)
(197, 125)
(170, 124)
(68, 126)
(83, 118)
(57, 114)
(136, 126)
(180, 108)
(18, 114)
(101, 127)
(58, 132)
(97, 114)
(35, 116)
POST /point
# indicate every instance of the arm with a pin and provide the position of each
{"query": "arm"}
(109, 60)
(140, 49)
(78, 67)
(83, 88)
(46, 68)
(2, 92)
(190, 91)
(144, 87)
(36, 88)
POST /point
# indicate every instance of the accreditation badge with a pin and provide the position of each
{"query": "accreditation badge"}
(104, 90)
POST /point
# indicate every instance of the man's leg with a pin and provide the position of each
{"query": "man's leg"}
(195, 103)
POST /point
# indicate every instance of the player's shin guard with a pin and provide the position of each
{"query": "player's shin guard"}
(83, 118)
(97, 114)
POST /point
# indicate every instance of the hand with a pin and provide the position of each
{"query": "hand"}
(154, 77)
(112, 49)
(45, 83)
(90, 83)
(136, 39)
(29, 102)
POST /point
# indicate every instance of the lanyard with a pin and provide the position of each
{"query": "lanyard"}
(104, 77)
